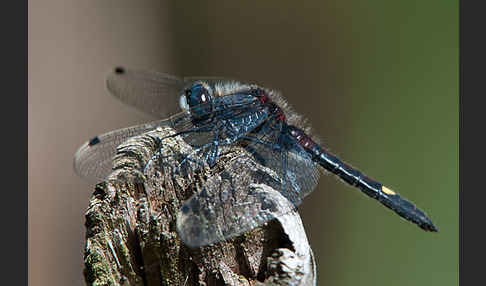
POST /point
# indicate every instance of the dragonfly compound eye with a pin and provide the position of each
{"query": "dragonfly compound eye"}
(198, 97)
(198, 94)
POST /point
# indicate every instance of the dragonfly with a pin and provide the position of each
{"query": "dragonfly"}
(211, 114)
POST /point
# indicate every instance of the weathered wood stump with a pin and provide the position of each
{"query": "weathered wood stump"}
(131, 236)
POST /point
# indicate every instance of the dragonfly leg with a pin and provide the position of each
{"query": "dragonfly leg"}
(213, 153)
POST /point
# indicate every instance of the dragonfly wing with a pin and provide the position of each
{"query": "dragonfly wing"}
(154, 93)
(151, 92)
(299, 173)
(302, 173)
(231, 203)
(93, 160)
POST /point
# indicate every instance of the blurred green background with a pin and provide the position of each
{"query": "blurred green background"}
(378, 81)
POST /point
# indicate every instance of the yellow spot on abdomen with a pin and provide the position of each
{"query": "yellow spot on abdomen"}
(387, 191)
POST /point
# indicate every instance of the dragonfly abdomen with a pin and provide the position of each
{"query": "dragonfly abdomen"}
(368, 186)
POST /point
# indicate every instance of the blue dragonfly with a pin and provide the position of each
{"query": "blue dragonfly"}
(211, 114)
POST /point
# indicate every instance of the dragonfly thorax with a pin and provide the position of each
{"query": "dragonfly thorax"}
(274, 109)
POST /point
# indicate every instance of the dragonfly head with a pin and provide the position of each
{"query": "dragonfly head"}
(197, 100)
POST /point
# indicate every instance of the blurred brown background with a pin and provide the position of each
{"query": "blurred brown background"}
(378, 82)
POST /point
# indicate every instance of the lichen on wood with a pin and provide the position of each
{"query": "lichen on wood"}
(131, 235)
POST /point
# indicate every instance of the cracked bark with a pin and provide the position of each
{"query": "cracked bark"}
(131, 236)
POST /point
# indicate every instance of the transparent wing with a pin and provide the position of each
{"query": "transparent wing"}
(281, 153)
(152, 92)
(228, 205)
(93, 160)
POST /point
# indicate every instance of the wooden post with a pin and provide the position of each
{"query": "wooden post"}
(131, 236)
